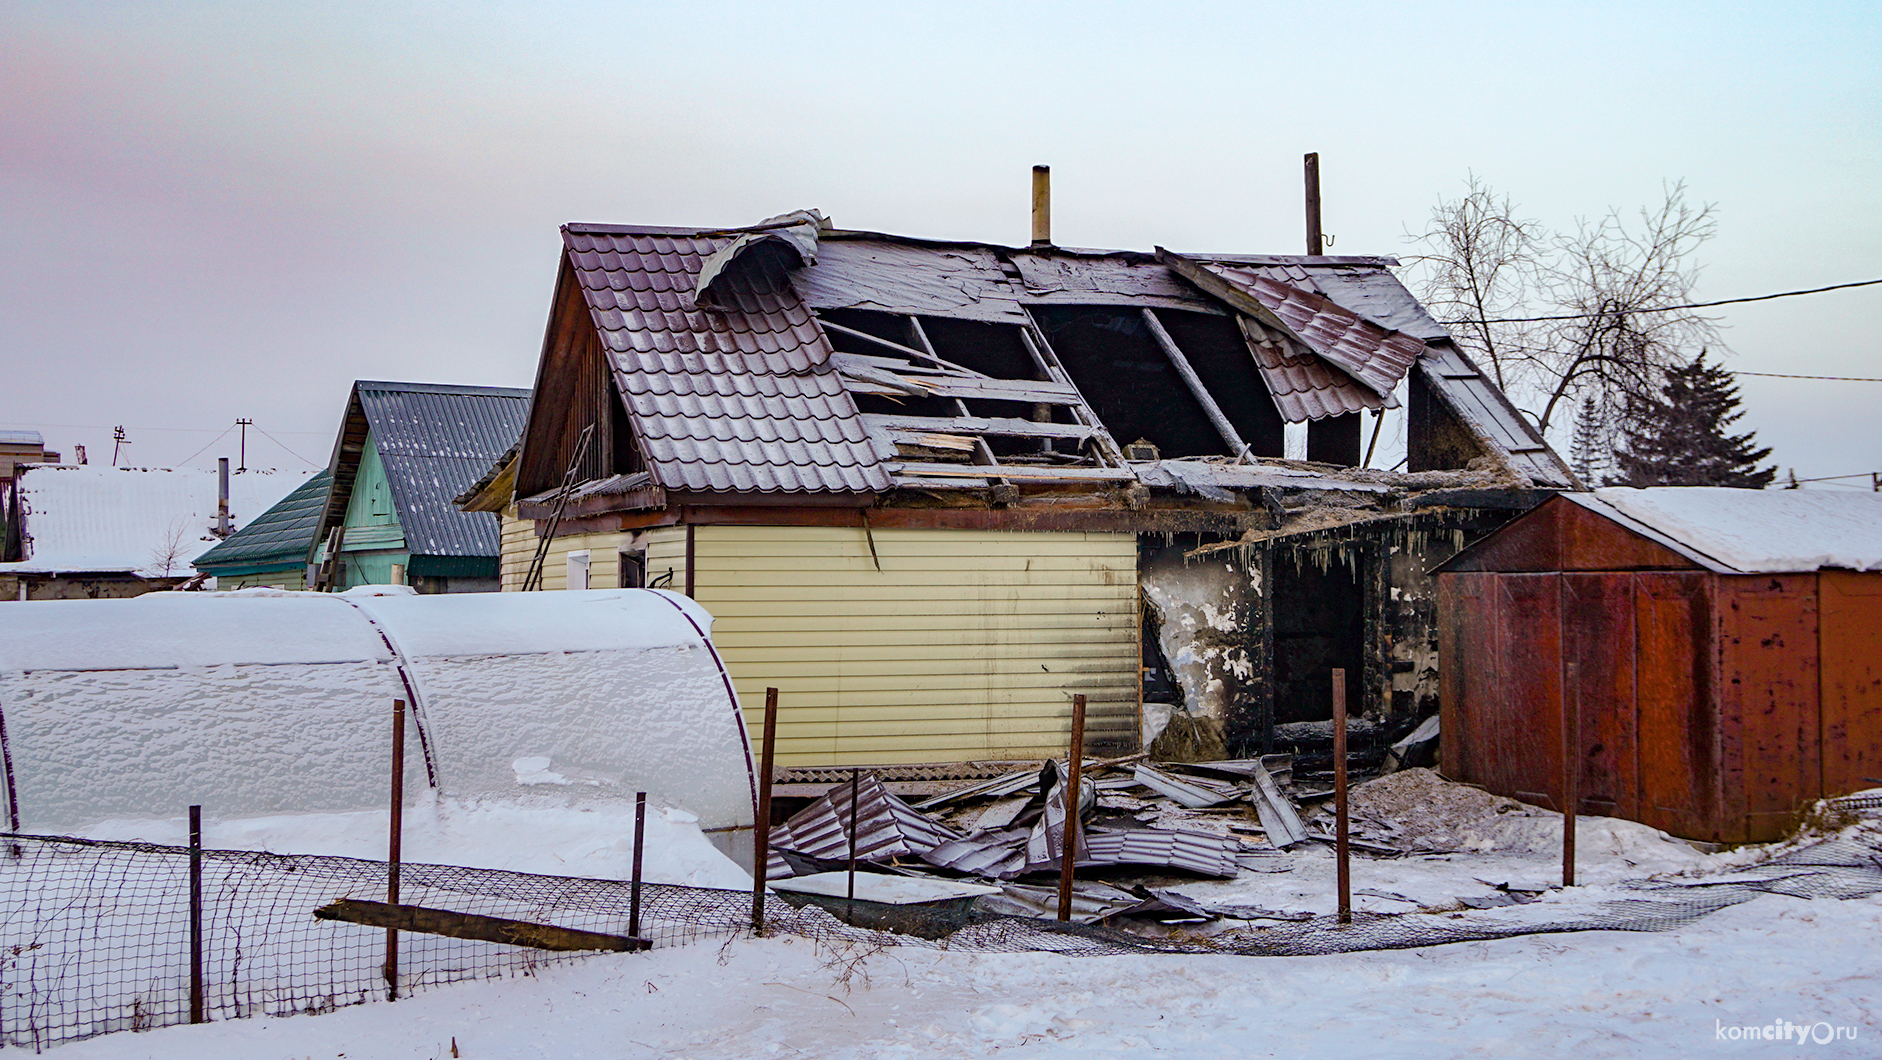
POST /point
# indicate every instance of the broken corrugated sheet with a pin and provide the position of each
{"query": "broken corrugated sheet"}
(896, 276)
(1091, 901)
(998, 855)
(1057, 276)
(1193, 793)
(1046, 843)
(995, 786)
(1197, 852)
(1277, 814)
(889, 827)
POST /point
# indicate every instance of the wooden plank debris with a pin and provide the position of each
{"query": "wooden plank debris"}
(475, 926)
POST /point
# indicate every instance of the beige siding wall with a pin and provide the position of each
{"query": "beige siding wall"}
(604, 556)
(965, 645)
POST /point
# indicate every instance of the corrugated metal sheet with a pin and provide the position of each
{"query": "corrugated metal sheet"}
(284, 534)
(1197, 852)
(733, 399)
(886, 827)
(965, 646)
(434, 442)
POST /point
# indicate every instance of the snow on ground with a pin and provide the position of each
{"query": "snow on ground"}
(595, 841)
(1587, 995)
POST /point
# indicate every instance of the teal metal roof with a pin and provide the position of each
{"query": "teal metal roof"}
(279, 538)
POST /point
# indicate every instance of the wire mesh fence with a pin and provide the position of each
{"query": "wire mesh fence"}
(94, 936)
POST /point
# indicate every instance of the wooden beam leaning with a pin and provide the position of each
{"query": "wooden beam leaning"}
(983, 453)
(1047, 363)
(1237, 447)
(474, 926)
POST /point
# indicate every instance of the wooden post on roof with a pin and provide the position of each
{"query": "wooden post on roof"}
(1311, 164)
(1042, 206)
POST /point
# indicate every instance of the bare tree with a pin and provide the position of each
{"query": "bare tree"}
(173, 552)
(1611, 286)
(1481, 266)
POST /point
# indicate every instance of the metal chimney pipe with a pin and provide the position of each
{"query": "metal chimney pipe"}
(1311, 165)
(1042, 206)
(222, 496)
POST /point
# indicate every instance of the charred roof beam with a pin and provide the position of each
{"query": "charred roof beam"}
(1237, 448)
(1048, 364)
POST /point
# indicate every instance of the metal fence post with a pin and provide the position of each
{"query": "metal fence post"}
(1571, 754)
(761, 830)
(196, 914)
(393, 841)
(640, 836)
(1075, 763)
(1340, 843)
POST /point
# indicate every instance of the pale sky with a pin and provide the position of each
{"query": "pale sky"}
(219, 210)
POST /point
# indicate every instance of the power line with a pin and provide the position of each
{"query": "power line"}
(1667, 308)
(290, 452)
(1832, 378)
(205, 448)
(134, 427)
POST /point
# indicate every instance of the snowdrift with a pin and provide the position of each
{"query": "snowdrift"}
(263, 703)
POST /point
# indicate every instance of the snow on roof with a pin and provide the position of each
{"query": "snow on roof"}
(11, 437)
(1753, 531)
(148, 521)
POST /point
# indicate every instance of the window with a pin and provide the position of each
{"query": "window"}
(633, 569)
(578, 569)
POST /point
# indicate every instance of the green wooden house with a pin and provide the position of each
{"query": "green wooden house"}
(405, 451)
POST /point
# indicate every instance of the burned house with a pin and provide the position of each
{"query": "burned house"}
(931, 490)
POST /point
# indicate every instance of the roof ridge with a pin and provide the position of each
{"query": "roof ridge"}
(440, 388)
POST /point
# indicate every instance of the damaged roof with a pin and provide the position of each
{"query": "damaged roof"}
(791, 357)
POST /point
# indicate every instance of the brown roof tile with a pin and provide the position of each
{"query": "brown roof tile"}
(742, 398)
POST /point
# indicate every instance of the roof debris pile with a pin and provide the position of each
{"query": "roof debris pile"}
(1139, 828)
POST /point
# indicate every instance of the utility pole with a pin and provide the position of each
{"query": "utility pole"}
(119, 441)
(245, 425)
(1310, 164)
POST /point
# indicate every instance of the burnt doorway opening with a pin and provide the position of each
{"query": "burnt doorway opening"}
(1319, 624)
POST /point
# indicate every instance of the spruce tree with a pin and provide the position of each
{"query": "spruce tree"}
(1677, 438)
(1590, 455)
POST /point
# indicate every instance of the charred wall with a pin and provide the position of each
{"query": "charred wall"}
(1252, 628)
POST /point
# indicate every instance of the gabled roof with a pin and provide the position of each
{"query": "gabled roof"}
(740, 373)
(434, 440)
(280, 537)
(150, 522)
